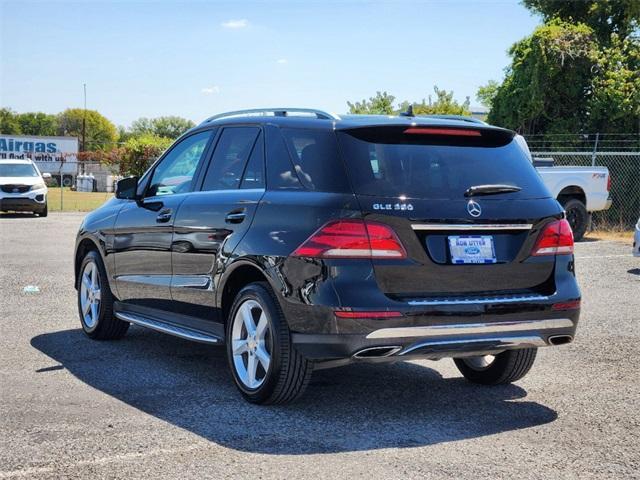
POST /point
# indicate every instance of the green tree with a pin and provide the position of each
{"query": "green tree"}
(101, 134)
(171, 127)
(614, 100)
(444, 104)
(9, 123)
(138, 153)
(168, 127)
(124, 134)
(545, 87)
(37, 123)
(380, 104)
(605, 17)
(486, 93)
(141, 126)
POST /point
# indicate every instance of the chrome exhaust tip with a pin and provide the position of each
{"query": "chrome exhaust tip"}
(377, 352)
(556, 340)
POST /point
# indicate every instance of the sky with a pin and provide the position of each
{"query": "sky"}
(195, 59)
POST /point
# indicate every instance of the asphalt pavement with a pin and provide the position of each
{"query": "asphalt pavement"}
(154, 406)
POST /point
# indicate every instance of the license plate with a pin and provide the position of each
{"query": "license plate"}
(472, 249)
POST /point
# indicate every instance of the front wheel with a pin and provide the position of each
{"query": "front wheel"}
(506, 367)
(95, 301)
(44, 212)
(264, 364)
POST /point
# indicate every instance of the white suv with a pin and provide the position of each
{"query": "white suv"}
(22, 187)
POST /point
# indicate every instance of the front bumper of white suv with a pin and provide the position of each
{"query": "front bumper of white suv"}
(18, 198)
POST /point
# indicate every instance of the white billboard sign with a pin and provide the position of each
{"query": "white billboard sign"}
(51, 154)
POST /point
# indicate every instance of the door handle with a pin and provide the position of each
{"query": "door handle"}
(164, 216)
(236, 216)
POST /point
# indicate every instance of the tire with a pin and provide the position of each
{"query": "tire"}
(98, 322)
(287, 373)
(506, 367)
(45, 211)
(577, 216)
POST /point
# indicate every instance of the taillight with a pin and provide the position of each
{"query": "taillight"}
(555, 239)
(572, 305)
(352, 239)
(456, 132)
(609, 183)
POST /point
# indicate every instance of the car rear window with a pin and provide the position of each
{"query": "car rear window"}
(389, 162)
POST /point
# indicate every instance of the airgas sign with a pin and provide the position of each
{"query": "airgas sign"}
(51, 154)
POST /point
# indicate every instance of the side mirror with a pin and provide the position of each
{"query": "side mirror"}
(126, 188)
(46, 176)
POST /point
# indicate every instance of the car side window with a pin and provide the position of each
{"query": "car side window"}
(230, 158)
(254, 172)
(316, 159)
(175, 172)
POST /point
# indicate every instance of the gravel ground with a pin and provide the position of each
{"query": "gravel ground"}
(153, 406)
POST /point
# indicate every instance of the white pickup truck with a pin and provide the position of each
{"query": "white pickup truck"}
(580, 190)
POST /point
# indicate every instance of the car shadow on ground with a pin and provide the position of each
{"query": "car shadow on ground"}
(353, 408)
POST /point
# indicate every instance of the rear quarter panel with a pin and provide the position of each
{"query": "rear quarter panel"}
(283, 221)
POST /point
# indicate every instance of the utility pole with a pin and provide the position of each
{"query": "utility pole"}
(84, 120)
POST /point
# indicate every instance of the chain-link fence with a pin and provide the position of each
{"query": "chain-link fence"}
(624, 168)
(584, 142)
(81, 175)
(79, 186)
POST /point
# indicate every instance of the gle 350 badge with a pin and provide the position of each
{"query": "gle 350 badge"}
(392, 206)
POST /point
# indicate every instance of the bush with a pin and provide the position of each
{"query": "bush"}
(138, 153)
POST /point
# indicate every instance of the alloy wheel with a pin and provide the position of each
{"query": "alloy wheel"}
(251, 344)
(90, 294)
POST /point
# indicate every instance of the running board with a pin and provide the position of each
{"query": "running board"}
(164, 327)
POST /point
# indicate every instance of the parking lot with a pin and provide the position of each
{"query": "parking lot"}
(155, 406)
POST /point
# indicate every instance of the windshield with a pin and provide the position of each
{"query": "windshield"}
(392, 165)
(17, 170)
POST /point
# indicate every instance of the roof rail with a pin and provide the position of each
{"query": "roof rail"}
(462, 118)
(277, 112)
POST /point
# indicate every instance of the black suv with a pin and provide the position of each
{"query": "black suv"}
(302, 240)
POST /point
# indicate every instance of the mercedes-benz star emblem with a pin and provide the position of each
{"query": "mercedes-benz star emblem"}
(474, 208)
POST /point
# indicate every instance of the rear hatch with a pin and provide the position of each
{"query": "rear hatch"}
(465, 202)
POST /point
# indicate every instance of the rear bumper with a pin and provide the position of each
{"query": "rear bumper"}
(438, 327)
(597, 201)
(438, 340)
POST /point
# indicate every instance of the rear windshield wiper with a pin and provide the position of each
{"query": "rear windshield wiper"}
(490, 190)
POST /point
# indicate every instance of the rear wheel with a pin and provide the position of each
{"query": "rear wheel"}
(506, 367)
(264, 364)
(577, 216)
(95, 301)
